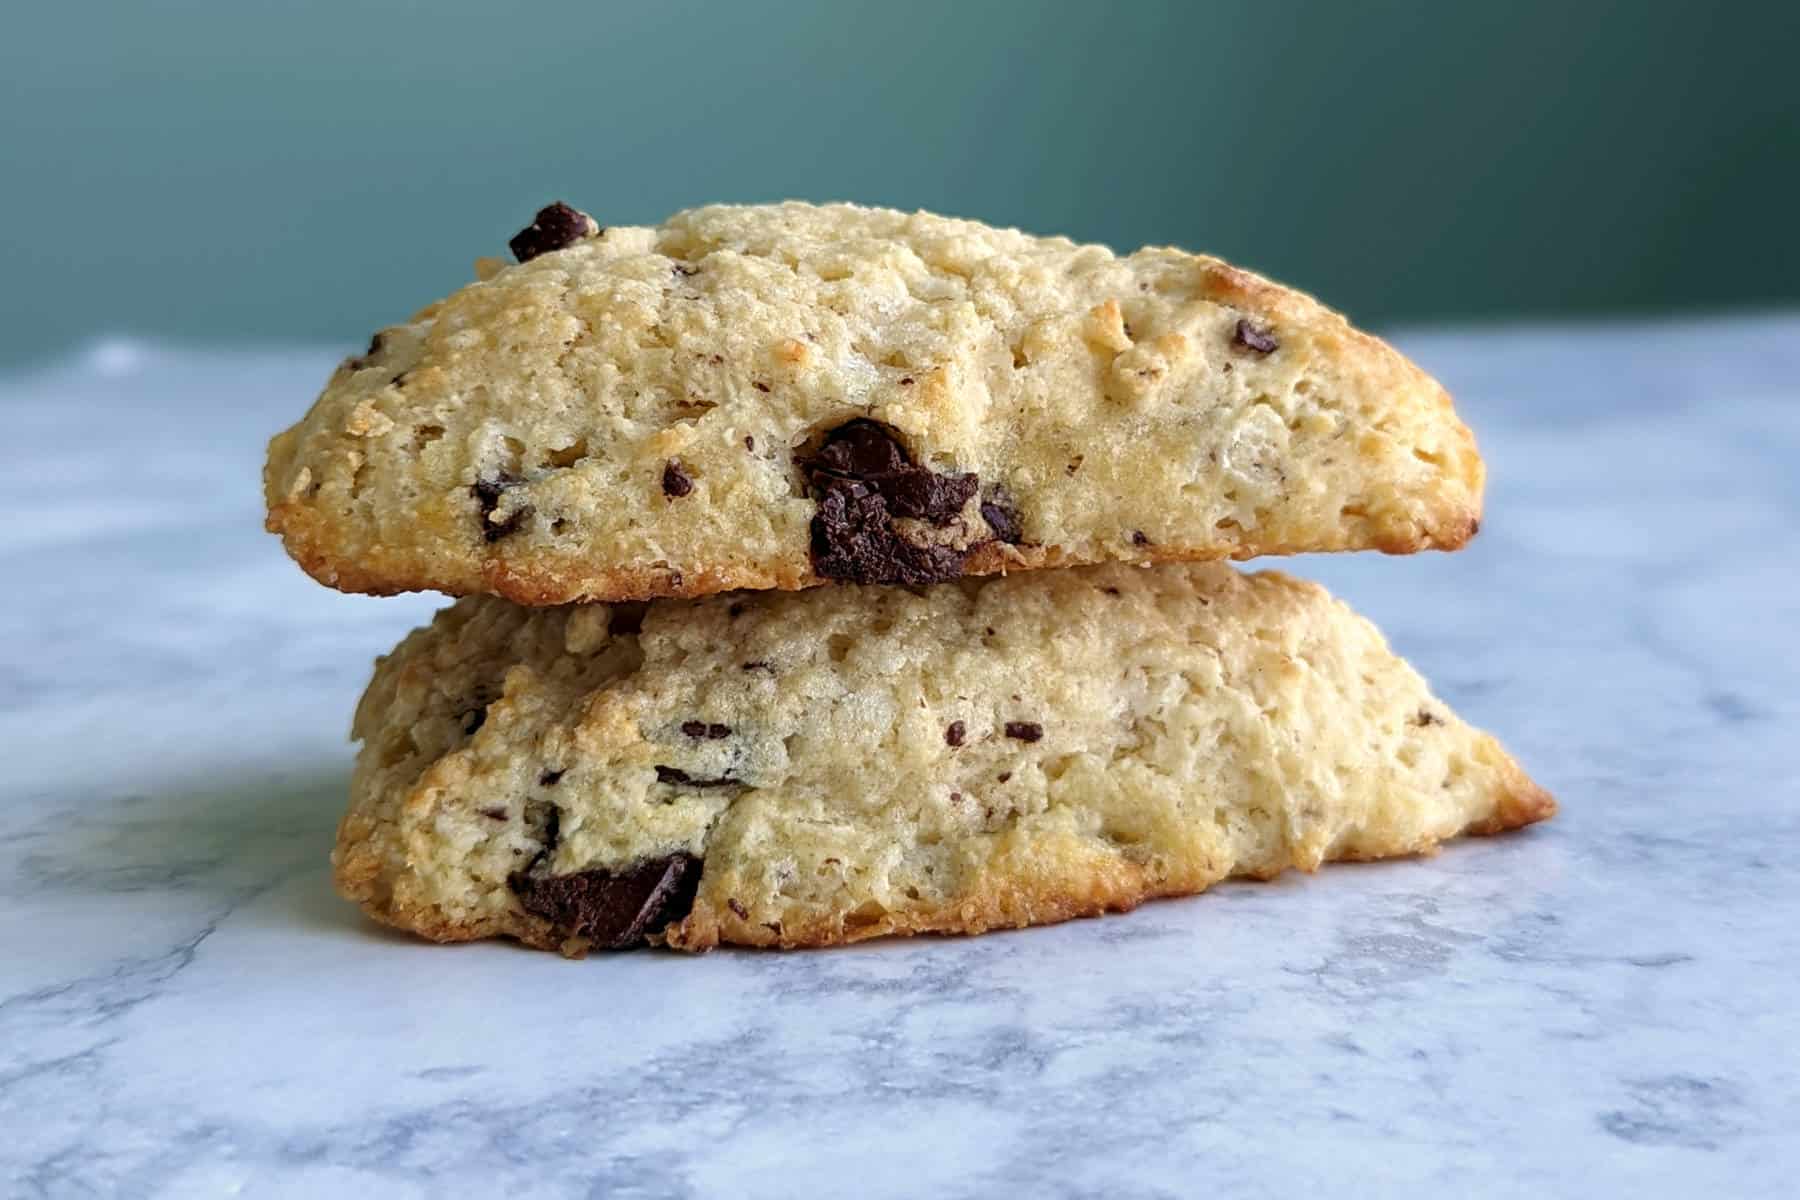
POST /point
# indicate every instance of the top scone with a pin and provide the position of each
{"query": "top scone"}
(775, 396)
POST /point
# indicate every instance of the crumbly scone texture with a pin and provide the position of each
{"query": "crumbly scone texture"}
(627, 417)
(846, 763)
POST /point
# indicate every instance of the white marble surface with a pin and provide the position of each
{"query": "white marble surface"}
(1606, 1005)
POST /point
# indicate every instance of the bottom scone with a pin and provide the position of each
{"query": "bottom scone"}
(802, 769)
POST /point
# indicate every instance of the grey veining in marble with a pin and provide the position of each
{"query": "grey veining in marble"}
(1606, 1005)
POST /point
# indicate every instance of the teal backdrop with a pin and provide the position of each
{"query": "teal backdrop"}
(306, 171)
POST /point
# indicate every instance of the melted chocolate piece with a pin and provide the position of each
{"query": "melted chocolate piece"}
(864, 479)
(1138, 538)
(555, 227)
(675, 481)
(853, 539)
(1248, 337)
(1024, 731)
(617, 910)
(675, 775)
(550, 778)
(953, 735)
(487, 493)
(700, 729)
(1002, 516)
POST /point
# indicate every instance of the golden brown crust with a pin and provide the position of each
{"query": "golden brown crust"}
(876, 761)
(1113, 401)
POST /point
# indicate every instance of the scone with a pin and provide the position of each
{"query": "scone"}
(775, 396)
(803, 769)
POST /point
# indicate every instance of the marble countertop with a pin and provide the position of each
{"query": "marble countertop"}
(1605, 1005)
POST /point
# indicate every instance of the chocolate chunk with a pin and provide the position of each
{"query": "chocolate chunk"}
(1024, 731)
(760, 386)
(953, 734)
(1138, 538)
(1427, 717)
(743, 914)
(853, 539)
(675, 481)
(1002, 517)
(1248, 337)
(700, 729)
(615, 909)
(674, 775)
(750, 443)
(1003, 777)
(550, 778)
(494, 814)
(758, 665)
(487, 493)
(906, 381)
(861, 449)
(554, 228)
(864, 479)
(474, 718)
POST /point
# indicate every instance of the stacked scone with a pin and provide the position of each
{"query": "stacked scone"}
(751, 514)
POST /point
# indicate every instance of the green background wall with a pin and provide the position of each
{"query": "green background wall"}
(265, 172)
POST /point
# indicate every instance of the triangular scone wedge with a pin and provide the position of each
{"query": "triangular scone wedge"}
(804, 769)
(769, 397)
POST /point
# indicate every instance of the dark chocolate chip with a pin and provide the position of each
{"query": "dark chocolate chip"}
(1111, 591)
(1003, 777)
(685, 271)
(1248, 337)
(743, 914)
(474, 718)
(953, 734)
(749, 443)
(864, 479)
(550, 778)
(860, 449)
(760, 386)
(1024, 731)
(487, 492)
(614, 909)
(674, 775)
(555, 227)
(700, 729)
(494, 814)
(758, 665)
(675, 481)
(853, 539)
(906, 381)
(1427, 717)
(1075, 463)
(1002, 516)
(1138, 538)
(956, 797)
